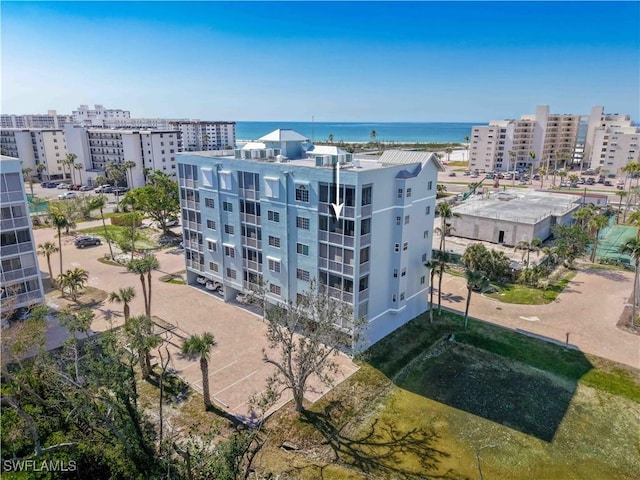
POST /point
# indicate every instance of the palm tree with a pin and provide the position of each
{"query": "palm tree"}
(28, 177)
(139, 331)
(621, 194)
(445, 210)
(584, 214)
(475, 281)
(596, 224)
(532, 155)
(144, 266)
(124, 296)
(632, 248)
(562, 175)
(68, 162)
(98, 203)
(468, 142)
(129, 165)
(448, 151)
(79, 167)
(433, 267)
(634, 219)
(59, 222)
(47, 249)
(41, 167)
(330, 138)
(541, 172)
(199, 346)
(73, 281)
(528, 247)
(512, 156)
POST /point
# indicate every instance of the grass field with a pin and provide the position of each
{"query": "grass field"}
(525, 295)
(144, 243)
(490, 404)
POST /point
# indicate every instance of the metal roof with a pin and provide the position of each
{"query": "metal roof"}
(404, 157)
(283, 135)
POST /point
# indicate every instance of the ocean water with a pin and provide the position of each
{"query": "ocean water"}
(428, 132)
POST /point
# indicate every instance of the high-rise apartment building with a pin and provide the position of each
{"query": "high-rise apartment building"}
(20, 285)
(49, 120)
(35, 146)
(96, 148)
(97, 116)
(263, 216)
(556, 140)
(613, 141)
(196, 135)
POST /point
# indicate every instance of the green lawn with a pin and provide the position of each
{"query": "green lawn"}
(145, 243)
(422, 406)
(525, 295)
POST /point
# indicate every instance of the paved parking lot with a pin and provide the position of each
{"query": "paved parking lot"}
(237, 370)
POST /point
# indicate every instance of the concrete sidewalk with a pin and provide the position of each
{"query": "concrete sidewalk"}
(586, 312)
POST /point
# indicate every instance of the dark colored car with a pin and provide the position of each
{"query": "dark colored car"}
(49, 184)
(75, 187)
(120, 190)
(82, 242)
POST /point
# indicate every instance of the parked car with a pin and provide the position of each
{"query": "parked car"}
(452, 174)
(212, 286)
(581, 181)
(120, 190)
(170, 222)
(607, 183)
(50, 184)
(590, 171)
(590, 181)
(85, 188)
(76, 186)
(67, 195)
(574, 185)
(86, 241)
(201, 280)
(600, 180)
(564, 184)
(242, 298)
(63, 186)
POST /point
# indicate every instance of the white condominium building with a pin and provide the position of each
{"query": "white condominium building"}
(97, 116)
(613, 141)
(49, 120)
(198, 135)
(35, 146)
(263, 215)
(20, 282)
(150, 150)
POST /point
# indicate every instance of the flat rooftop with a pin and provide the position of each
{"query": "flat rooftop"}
(518, 205)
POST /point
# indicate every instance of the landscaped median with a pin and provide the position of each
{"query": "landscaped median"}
(526, 295)
(438, 401)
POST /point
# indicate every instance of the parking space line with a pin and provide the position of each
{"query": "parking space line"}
(235, 383)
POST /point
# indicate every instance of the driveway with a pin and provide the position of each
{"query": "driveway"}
(236, 368)
(586, 313)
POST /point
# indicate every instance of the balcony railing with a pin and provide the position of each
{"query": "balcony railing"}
(249, 218)
(252, 242)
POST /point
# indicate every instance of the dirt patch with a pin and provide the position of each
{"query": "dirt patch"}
(625, 322)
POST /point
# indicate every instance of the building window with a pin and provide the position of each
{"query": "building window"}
(396, 247)
(404, 272)
(405, 246)
(363, 284)
(302, 222)
(406, 219)
(398, 220)
(408, 192)
(400, 193)
(395, 273)
(424, 257)
(213, 267)
(302, 249)
(227, 206)
(364, 255)
(365, 226)
(275, 289)
(422, 280)
(274, 241)
(231, 273)
(402, 296)
(393, 298)
(302, 275)
(274, 266)
(273, 216)
(230, 252)
(429, 185)
(211, 225)
(366, 196)
(302, 194)
(212, 246)
(427, 211)
(229, 229)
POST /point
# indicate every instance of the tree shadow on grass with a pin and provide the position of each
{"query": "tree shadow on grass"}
(382, 449)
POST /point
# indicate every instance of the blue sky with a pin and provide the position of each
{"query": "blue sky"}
(336, 61)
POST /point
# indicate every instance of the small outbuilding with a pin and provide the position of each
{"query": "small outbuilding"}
(511, 216)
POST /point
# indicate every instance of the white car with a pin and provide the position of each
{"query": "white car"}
(213, 286)
(63, 186)
(67, 195)
(201, 280)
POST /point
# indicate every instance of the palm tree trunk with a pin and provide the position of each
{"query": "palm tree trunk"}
(50, 271)
(440, 289)
(144, 292)
(106, 233)
(466, 308)
(60, 247)
(147, 362)
(148, 307)
(433, 274)
(204, 368)
(126, 311)
(635, 295)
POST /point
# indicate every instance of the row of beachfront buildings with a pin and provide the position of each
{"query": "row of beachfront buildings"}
(100, 136)
(599, 141)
